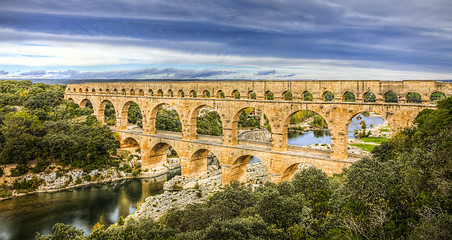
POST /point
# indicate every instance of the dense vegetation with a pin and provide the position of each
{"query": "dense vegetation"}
(402, 192)
(36, 123)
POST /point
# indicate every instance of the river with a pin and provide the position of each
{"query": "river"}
(21, 218)
(324, 136)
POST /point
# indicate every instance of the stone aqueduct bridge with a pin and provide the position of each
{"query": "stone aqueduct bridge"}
(280, 159)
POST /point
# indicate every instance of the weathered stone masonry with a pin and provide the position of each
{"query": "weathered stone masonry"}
(280, 159)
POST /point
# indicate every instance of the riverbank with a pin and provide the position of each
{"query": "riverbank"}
(55, 182)
(182, 191)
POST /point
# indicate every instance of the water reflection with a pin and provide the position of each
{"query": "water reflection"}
(371, 122)
(309, 137)
(22, 217)
(324, 136)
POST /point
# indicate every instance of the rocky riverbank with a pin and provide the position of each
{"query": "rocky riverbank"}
(181, 191)
(63, 180)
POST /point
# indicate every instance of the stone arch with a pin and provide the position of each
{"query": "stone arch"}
(363, 123)
(413, 97)
(289, 172)
(193, 93)
(93, 91)
(80, 90)
(108, 118)
(86, 90)
(239, 168)
(132, 92)
(206, 94)
(348, 96)
(252, 94)
(269, 95)
(157, 155)
(115, 91)
(153, 115)
(150, 92)
(307, 96)
(256, 118)
(70, 99)
(170, 93)
(220, 94)
(328, 96)
(198, 162)
(181, 94)
(317, 131)
(123, 92)
(100, 91)
(287, 96)
(235, 94)
(86, 103)
(369, 97)
(194, 119)
(160, 93)
(124, 115)
(437, 96)
(107, 91)
(391, 97)
(140, 92)
(130, 142)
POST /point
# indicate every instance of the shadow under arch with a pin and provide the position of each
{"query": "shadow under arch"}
(200, 161)
(86, 103)
(413, 97)
(328, 96)
(289, 172)
(306, 127)
(131, 113)
(307, 96)
(348, 96)
(369, 97)
(209, 117)
(220, 94)
(437, 96)
(391, 97)
(131, 143)
(239, 169)
(158, 155)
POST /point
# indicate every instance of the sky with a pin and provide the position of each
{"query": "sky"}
(226, 39)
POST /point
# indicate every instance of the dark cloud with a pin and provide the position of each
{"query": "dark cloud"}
(263, 73)
(34, 73)
(3, 72)
(139, 74)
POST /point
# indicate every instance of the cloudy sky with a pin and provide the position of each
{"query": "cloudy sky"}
(226, 39)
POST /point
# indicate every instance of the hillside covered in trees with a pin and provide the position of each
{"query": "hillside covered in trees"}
(36, 123)
(402, 192)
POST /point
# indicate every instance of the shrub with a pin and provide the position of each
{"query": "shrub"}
(40, 166)
(19, 170)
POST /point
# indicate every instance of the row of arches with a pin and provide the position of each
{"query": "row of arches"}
(200, 160)
(348, 96)
(205, 120)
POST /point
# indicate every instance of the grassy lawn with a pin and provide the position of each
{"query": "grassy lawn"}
(365, 147)
(378, 140)
(385, 130)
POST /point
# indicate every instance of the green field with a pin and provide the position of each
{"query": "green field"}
(378, 140)
(365, 147)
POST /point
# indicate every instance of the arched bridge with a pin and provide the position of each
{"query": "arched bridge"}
(231, 98)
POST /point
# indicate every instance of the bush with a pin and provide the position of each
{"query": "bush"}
(28, 185)
(19, 170)
(40, 166)
(1, 172)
